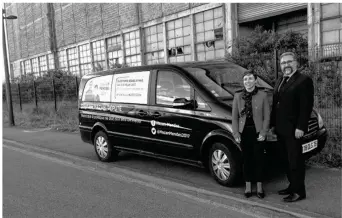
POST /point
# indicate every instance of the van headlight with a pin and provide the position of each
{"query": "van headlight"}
(320, 120)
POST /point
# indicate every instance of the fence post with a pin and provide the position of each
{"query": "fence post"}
(35, 93)
(54, 93)
(21, 107)
(76, 87)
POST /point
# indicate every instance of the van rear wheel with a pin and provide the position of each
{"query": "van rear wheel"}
(103, 148)
(223, 165)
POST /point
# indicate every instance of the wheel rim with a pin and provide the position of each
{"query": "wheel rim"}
(102, 147)
(220, 164)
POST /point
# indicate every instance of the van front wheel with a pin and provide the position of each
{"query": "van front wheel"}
(103, 148)
(224, 167)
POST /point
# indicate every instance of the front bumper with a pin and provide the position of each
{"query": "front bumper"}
(273, 147)
(321, 136)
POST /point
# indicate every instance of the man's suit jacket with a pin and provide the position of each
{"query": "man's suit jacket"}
(260, 110)
(292, 104)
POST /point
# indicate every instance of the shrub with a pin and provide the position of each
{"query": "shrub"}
(257, 50)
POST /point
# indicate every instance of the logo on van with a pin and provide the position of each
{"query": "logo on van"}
(154, 131)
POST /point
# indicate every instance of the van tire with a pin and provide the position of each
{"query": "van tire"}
(103, 148)
(219, 166)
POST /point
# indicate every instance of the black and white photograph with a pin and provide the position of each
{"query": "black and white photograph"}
(147, 109)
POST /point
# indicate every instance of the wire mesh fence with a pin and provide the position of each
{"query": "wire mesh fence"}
(43, 91)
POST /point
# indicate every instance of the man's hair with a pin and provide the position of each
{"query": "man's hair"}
(288, 53)
(250, 72)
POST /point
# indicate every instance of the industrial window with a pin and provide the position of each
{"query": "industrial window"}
(73, 61)
(22, 68)
(209, 34)
(154, 44)
(42, 64)
(99, 54)
(85, 59)
(51, 61)
(132, 48)
(28, 67)
(179, 40)
(331, 30)
(62, 59)
(35, 66)
(114, 50)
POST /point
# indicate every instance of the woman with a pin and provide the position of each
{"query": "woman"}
(251, 116)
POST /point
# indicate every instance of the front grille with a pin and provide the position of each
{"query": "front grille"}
(312, 127)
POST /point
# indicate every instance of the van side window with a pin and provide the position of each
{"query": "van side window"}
(98, 89)
(170, 86)
(131, 87)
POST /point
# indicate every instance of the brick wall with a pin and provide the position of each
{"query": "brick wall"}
(46, 33)
(59, 26)
(111, 18)
(128, 14)
(37, 11)
(150, 11)
(68, 25)
(172, 8)
(23, 43)
(80, 16)
(94, 20)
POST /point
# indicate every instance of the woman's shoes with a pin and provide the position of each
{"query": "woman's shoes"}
(248, 194)
(261, 195)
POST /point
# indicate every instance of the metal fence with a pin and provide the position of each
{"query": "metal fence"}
(51, 91)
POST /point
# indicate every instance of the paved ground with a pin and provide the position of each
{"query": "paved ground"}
(323, 185)
(36, 187)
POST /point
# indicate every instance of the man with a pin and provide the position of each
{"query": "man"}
(291, 109)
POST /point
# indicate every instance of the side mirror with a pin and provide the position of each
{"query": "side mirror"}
(183, 103)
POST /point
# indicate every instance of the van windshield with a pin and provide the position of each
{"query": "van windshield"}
(221, 81)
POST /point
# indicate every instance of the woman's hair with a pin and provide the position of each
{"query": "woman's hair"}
(250, 72)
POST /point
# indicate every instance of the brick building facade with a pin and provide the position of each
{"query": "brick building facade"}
(78, 37)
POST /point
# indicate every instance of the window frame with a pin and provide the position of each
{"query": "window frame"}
(35, 66)
(98, 51)
(43, 66)
(172, 26)
(112, 42)
(203, 43)
(148, 44)
(84, 54)
(73, 62)
(128, 46)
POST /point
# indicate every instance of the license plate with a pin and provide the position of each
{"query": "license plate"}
(310, 146)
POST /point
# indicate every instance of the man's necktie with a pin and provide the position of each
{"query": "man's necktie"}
(283, 82)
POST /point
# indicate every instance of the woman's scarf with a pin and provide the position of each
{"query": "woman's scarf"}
(247, 96)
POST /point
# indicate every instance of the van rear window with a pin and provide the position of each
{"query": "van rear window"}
(98, 89)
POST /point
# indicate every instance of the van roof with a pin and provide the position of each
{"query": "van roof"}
(206, 64)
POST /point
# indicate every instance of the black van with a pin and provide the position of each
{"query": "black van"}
(180, 112)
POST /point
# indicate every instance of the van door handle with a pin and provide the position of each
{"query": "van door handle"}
(142, 113)
(156, 114)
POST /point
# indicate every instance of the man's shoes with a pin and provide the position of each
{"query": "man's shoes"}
(248, 194)
(286, 191)
(294, 197)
